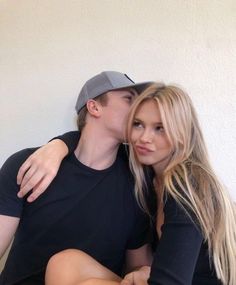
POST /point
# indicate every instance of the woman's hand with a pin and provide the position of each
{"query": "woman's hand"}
(138, 277)
(40, 168)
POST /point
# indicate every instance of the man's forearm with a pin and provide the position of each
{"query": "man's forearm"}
(137, 277)
(8, 226)
(138, 258)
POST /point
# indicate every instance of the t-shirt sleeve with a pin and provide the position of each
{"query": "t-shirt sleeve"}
(10, 204)
(141, 233)
(178, 249)
(70, 139)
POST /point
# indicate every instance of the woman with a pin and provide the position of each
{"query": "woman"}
(191, 203)
(192, 214)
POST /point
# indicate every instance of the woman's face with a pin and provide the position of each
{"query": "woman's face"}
(148, 137)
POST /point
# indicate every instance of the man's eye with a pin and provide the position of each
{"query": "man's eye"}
(129, 98)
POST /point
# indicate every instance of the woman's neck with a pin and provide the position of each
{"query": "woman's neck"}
(158, 185)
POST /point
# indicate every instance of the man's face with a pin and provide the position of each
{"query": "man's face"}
(116, 110)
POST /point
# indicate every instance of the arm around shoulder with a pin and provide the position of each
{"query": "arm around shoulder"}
(38, 171)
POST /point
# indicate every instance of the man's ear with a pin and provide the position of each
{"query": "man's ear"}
(93, 107)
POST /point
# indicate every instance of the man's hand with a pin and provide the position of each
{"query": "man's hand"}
(138, 277)
(38, 171)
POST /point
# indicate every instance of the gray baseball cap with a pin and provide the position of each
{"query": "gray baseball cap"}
(104, 82)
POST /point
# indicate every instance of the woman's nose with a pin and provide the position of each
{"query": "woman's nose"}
(146, 136)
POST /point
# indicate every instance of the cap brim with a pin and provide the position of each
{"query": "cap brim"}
(139, 87)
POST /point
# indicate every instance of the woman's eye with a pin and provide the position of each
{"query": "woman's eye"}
(159, 129)
(137, 124)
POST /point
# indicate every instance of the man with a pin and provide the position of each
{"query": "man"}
(90, 205)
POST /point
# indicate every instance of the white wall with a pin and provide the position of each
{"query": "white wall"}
(48, 48)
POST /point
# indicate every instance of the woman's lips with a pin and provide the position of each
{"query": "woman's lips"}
(142, 150)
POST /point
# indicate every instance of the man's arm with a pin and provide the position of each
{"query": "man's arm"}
(138, 277)
(137, 258)
(8, 226)
(138, 262)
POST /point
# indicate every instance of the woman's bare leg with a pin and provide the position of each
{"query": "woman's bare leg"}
(94, 281)
(74, 267)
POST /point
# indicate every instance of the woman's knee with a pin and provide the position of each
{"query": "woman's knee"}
(65, 256)
(73, 266)
(65, 266)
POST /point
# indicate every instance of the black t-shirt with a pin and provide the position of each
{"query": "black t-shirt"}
(83, 208)
(180, 256)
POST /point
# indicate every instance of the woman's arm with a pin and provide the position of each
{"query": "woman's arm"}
(38, 171)
(178, 249)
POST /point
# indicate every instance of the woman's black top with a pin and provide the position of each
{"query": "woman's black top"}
(180, 255)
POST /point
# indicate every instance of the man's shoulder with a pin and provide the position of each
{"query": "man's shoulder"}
(20, 156)
(13, 163)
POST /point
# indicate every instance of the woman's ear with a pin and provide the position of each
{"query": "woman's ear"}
(93, 107)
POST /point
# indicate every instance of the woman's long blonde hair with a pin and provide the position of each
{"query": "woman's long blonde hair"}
(189, 170)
